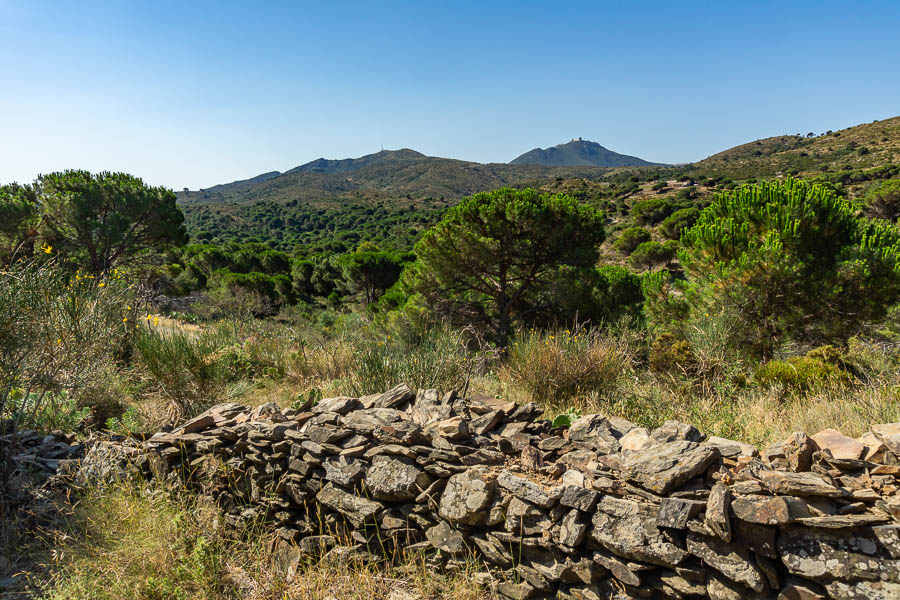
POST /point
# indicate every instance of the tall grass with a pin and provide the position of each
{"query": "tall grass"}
(156, 544)
(430, 358)
(189, 371)
(557, 366)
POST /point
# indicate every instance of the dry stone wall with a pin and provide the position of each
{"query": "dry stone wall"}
(603, 509)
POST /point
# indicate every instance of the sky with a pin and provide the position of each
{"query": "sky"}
(192, 94)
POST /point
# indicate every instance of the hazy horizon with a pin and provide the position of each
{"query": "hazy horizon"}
(207, 93)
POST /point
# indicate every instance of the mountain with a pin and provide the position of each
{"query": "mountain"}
(577, 153)
(394, 157)
(398, 174)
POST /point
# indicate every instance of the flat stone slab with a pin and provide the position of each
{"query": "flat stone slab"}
(839, 444)
(662, 468)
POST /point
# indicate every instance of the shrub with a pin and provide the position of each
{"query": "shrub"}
(800, 373)
(58, 330)
(669, 354)
(188, 370)
(432, 358)
(651, 210)
(556, 366)
(678, 221)
(882, 201)
(631, 238)
(651, 254)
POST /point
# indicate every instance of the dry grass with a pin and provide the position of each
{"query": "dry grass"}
(128, 542)
(557, 367)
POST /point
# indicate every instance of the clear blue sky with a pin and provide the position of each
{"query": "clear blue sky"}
(191, 93)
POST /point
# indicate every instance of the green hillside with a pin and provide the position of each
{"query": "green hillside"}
(391, 196)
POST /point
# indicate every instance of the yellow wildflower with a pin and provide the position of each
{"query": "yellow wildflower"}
(47, 248)
(101, 284)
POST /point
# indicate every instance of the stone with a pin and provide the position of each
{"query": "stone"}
(572, 477)
(798, 484)
(821, 554)
(516, 591)
(798, 450)
(721, 588)
(628, 529)
(525, 489)
(889, 537)
(358, 511)
(663, 468)
(340, 405)
(863, 590)
(453, 428)
(396, 479)
(485, 423)
(445, 538)
(286, 557)
(730, 448)
(769, 510)
(523, 518)
(596, 431)
(370, 420)
(394, 397)
(429, 407)
(468, 496)
(636, 439)
(571, 529)
(838, 444)
(674, 431)
(531, 458)
(619, 568)
(875, 448)
(532, 577)
(495, 553)
(798, 589)
(758, 538)
(889, 435)
(343, 471)
(717, 517)
(317, 544)
(674, 513)
(579, 497)
(733, 561)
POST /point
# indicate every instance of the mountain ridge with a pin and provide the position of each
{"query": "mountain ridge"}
(580, 152)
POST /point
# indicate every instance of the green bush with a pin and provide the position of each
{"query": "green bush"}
(651, 254)
(630, 239)
(58, 332)
(678, 221)
(801, 373)
(789, 261)
(190, 371)
(882, 200)
(651, 210)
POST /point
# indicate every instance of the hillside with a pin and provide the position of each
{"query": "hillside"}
(860, 147)
(391, 196)
(579, 152)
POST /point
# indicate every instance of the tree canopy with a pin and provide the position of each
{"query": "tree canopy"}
(790, 260)
(106, 219)
(491, 255)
